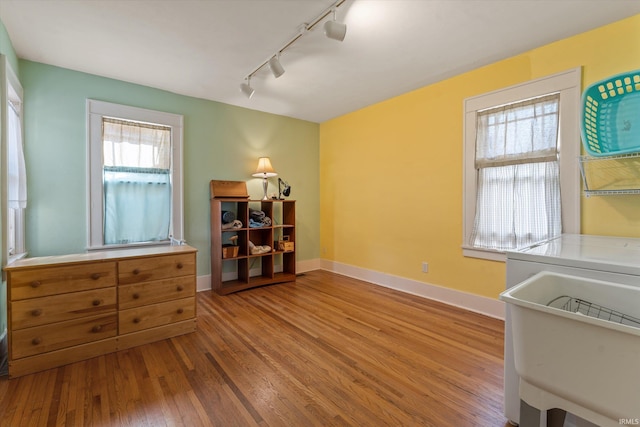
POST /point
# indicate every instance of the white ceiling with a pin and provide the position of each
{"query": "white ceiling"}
(205, 48)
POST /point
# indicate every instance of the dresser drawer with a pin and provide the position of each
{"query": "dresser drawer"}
(156, 268)
(145, 293)
(39, 282)
(164, 313)
(58, 308)
(40, 339)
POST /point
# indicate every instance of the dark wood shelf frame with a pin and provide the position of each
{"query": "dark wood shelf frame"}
(283, 220)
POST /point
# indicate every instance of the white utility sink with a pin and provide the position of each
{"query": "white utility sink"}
(574, 358)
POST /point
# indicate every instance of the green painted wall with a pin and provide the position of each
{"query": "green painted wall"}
(220, 142)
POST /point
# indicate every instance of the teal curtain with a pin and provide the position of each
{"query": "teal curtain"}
(137, 204)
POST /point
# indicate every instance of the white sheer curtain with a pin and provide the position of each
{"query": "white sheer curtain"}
(137, 181)
(17, 175)
(518, 197)
(16, 183)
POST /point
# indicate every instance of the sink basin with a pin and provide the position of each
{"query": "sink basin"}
(570, 360)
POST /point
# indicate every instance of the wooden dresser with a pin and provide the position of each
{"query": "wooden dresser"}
(62, 309)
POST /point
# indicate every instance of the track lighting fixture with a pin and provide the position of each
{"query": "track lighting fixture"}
(246, 88)
(276, 67)
(335, 30)
(332, 29)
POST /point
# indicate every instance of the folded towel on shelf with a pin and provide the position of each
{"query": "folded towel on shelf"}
(228, 217)
(256, 214)
(257, 250)
(232, 225)
(258, 219)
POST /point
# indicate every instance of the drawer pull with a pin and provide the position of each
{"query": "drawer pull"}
(36, 341)
(95, 276)
(37, 312)
(180, 310)
(136, 271)
(179, 265)
(136, 296)
(96, 302)
(35, 284)
(180, 288)
(136, 320)
(96, 328)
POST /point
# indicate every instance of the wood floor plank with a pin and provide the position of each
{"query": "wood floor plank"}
(327, 350)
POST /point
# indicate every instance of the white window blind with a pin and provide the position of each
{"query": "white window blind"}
(518, 185)
(136, 144)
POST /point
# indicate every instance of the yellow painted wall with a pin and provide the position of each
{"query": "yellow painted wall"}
(391, 173)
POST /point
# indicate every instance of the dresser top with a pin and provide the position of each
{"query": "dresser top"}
(100, 256)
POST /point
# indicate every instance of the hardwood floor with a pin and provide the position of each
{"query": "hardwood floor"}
(326, 351)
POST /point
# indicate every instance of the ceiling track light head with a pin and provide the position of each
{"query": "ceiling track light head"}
(335, 30)
(276, 66)
(246, 88)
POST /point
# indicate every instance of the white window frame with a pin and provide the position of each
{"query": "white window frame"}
(568, 84)
(11, 89)
(96, 110)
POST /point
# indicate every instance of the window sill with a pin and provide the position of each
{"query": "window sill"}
(14, 258)
(10, 260)
(128, 246)
(488, 254)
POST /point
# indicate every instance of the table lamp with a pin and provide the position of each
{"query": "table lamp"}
(264, 171)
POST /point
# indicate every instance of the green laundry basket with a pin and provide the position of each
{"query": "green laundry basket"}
(610, 121)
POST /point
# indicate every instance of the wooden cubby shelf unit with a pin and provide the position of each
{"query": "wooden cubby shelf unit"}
(249, 269)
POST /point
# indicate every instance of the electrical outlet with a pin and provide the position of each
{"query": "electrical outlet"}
(425, 267)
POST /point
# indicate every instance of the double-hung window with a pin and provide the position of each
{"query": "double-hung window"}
(135, 179)
(521, 174)
(518, 189)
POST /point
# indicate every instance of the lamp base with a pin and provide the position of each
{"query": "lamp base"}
(265, 184)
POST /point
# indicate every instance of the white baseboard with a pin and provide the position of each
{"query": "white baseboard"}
(203, 283)
(308, 265)
(476, 303)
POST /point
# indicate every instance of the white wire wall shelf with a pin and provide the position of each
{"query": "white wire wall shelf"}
(611, 175)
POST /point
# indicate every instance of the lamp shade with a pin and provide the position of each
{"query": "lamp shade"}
(264, 169)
